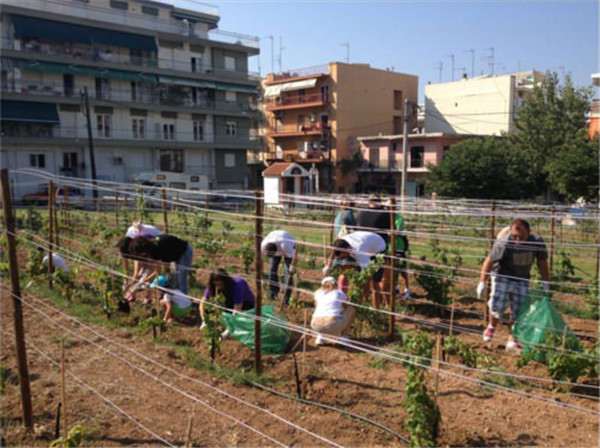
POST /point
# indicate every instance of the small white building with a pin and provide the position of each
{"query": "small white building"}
(285, 178)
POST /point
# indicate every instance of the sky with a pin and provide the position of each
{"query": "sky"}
(415, 37)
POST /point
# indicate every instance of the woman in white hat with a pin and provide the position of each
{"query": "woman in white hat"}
(333, 314)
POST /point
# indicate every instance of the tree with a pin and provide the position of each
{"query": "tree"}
(479, 168)
(550, 128)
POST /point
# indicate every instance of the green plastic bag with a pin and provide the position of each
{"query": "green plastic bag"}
(535, 320)
(273, 338)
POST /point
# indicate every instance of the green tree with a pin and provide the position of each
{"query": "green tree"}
(551, 139)
(479, 168)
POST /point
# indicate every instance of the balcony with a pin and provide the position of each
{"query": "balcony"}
(310, 156)
(296, 102)
(131, 20)
(395, 165)
(78, 54)
(301, 73)
(310, 128)
(151, 95)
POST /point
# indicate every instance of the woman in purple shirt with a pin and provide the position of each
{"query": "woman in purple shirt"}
(237, 292)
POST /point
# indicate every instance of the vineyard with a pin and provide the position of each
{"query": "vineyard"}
(416, 373)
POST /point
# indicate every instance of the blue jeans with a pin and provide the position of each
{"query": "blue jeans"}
(274, 285)
(182, 266)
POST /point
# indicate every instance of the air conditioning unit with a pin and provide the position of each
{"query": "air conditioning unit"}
(118, 160)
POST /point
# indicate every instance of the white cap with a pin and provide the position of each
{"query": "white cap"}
(327, 280)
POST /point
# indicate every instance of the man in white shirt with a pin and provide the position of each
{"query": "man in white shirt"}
(278, 244)
(58, 262)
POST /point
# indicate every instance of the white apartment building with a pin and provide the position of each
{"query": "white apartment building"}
(168, 91)
(485, 105)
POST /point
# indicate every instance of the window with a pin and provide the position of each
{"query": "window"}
(231, 128)
(136, 88)
(150, 11)
(4, 81)
(397, 125)
(70, 160)
(171, 160)
(394, 147)
(198, 131)
(117, 4)
(325, 93)
(230, 160)
(37, 160)
(230, 96)
(230, 63)
(103, 125)
(196, 64)
(168, 131)
(138, 127)
(444, 151)
(102, 89)
(416, 156)
(398, 103)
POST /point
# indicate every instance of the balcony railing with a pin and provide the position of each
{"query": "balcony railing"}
(131, 20)
(293, 156)
(297, 100)
(299, 128)
(392, 165)
(143, 96)
(147, 134)
(301, 72)
(81, 53)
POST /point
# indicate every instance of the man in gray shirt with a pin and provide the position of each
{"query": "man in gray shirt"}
(510, 263)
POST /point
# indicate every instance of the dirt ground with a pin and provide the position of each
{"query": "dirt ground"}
(152, 393)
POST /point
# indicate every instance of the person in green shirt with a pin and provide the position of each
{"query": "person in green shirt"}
(401, 249)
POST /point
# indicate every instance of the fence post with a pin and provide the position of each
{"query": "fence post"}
(117, 206)
(392, 267)
(164, 210)
(552, 238)
(50, 231)
(491, 245)
(9, 230)
(63, 393)
(257, 323)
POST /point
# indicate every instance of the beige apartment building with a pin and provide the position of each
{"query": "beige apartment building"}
(485, 105)
(313, 116)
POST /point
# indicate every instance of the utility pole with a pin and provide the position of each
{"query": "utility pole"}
(347, 45)
(86, 107)
(404, 146)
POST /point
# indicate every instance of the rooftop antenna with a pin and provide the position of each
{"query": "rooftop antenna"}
(281, 48)
(472, 51)
(439, 66)
(272, 52)
(451, 56)
(347, 45)
(490, 59)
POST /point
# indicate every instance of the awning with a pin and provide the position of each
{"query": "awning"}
(186, 82)
(51, 67)
(237, 88)
(25, 111)
(61, 31)
(273, 90)
(297, 85)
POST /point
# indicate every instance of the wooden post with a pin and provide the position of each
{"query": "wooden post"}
(324, 250)
(332, 237)
(552, 238)
(486, 309)
(56, 226)
(63, 393)
(117, 206)
(597, 254)
(206, 208)
(392, 267)
(13, 267)
(164, 210)
(257, 323)
(564, 338)
(438, 356)
(304, 379)
(50, 231)
(452, 316)
(537, 221)
(66, 214)
(188, 433)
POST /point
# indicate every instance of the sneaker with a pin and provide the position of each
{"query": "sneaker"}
(488, 334)
(407, 294)
(513, 346)
(319, 340)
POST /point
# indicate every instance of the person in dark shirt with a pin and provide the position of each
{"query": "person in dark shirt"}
(510, 263)
(166, 249)
(374, 219)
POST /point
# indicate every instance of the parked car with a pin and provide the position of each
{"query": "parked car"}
(76, 197)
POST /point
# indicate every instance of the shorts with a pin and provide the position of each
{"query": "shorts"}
(181, 312)
(378, 276)
(507, 291)
(334, 325)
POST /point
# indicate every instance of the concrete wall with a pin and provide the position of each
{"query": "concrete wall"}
(482, 106)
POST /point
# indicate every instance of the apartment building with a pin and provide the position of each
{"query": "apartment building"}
(485, 105)
(382, 160)
(167, 90)
(312, 117)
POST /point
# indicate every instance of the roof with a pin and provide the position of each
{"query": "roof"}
(283, 169)
(415, 136)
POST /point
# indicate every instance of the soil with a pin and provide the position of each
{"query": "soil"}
(341, 377)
